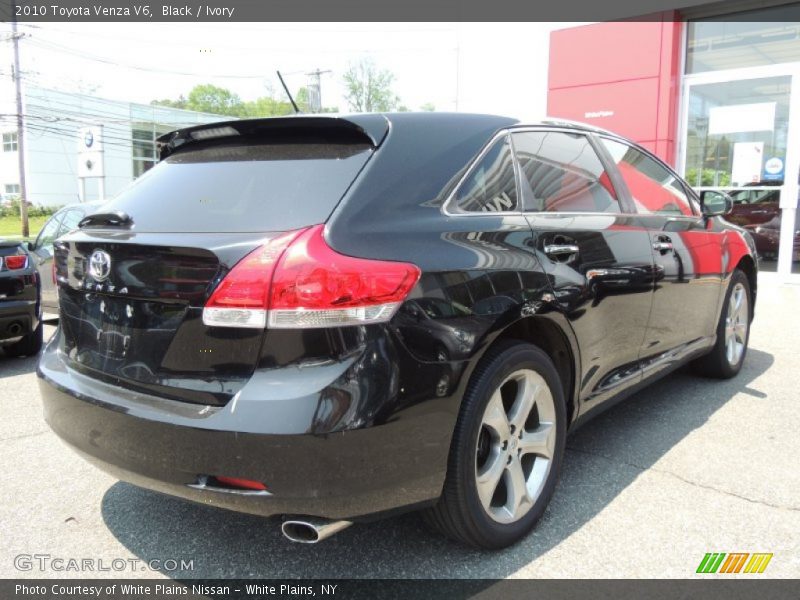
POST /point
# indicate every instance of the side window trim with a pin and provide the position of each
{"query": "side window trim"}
(617, 181)
(525, 202)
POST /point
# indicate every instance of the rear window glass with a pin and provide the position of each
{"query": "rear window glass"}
(238, 188)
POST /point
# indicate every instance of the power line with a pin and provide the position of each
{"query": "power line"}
(53, 47)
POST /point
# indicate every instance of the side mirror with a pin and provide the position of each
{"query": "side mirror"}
(31, 246)
(715, 203)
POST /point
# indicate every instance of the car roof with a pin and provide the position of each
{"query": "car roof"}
(369, 128)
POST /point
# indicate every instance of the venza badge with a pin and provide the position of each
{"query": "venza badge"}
(99, 265)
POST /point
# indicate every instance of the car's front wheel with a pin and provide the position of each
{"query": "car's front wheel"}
(507, 449)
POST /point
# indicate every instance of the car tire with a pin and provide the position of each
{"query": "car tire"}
(29, 345)
(512, 376)
(733, 332)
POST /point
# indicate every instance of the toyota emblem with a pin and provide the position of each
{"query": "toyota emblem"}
(99, 265)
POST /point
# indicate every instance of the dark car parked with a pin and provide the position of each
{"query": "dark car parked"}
(20, 309)
(755, 204)
(767, 237)
(63, 221)
(339, 318)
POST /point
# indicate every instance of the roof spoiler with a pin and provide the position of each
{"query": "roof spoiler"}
(369, 128)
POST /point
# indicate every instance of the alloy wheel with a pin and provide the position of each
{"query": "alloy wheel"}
(736, 324)
(515, 446)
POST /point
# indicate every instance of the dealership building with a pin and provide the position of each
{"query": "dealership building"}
(715, 94)
(80, 147)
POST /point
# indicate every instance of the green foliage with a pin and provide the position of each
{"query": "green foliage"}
(428, 107)
(707, 177)
(216, 100)
(369, 89)
(266, 106)
(181, 102)
(220, 101)
(12, 209)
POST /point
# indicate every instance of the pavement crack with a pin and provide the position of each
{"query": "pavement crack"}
(22, 437)
(683, 479)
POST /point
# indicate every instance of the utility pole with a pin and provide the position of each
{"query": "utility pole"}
(16, 75)
(315, 91)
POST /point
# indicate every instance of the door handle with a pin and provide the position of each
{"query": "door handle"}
(560, 249)
(663, 247)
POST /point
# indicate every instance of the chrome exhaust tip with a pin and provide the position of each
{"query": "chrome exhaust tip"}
(311, 530)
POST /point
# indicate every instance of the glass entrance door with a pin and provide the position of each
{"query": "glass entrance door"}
(737, 137)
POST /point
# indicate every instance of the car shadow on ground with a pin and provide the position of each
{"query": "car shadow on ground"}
(623, 442)
(11, 366)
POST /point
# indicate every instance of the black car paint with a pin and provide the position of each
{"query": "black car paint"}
(20, 309)
(356, 421)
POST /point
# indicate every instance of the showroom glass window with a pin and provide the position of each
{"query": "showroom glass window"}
(755, 38)
(491, 186)
(562, 173)
(653, 187)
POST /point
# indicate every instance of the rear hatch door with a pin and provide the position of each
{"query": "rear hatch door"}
(134, 278)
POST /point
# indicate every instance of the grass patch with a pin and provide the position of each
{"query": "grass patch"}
(11, 227)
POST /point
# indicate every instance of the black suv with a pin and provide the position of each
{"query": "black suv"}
(21, 331)
(340, 318)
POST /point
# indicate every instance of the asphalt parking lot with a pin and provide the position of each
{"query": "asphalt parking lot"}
(685, 467)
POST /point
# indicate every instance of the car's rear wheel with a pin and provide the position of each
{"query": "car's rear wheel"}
(733, 332)
(507, 449)
(30, 345)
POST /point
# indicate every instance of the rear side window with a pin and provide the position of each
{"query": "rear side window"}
(242, 188)
(655, 190)
(563, 173)
(49, 232)
(491, 185)
(71, 220)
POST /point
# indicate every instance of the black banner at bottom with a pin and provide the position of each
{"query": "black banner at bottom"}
(340, 589)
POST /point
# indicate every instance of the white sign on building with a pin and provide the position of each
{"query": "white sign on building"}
(90, 152)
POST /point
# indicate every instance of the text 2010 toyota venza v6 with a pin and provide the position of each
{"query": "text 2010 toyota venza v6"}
(336, 319)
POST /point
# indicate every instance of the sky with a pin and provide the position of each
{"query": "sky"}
(496, 68)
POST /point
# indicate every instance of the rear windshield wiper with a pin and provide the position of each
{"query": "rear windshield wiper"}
(115, 218)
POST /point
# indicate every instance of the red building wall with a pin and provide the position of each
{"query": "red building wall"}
(622, 76)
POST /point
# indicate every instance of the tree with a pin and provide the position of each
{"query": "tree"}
(216, 100)
(369, 89)
(220, 101)
(179, 103)
(428, 107)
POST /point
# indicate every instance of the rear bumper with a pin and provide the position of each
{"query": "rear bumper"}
(393, 460)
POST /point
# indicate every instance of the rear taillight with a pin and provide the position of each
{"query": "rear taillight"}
(298, 281)
(19, 261)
